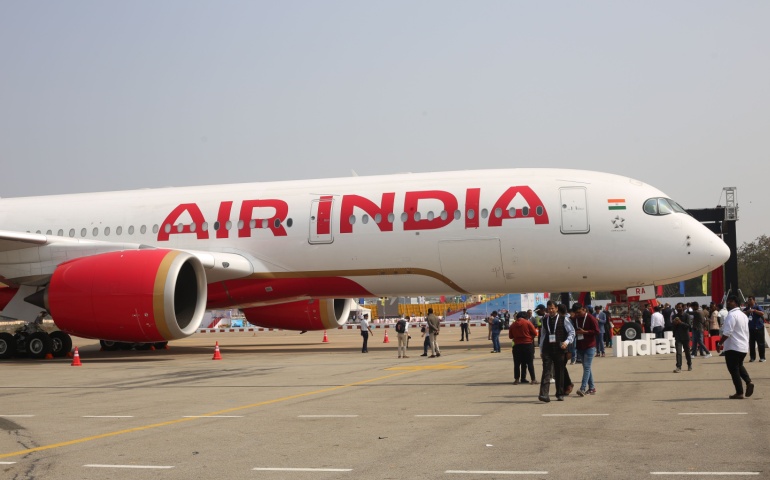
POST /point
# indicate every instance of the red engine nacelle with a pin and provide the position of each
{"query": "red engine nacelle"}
(129, 296)
(323, 314)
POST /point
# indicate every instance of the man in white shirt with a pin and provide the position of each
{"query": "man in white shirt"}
(366, 330)
(657, 322)
(464, 324)
(735, 340)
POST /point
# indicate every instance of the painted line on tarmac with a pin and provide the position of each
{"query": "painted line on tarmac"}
(188, 419)
(277, 469)
(707, 473)
(576, 414)
(448, 415)
(327, 416)
(7, 463)
(718, 413)
(498, 472)
(213, 416)
(164, 467)
(108, 416)
(16, 416)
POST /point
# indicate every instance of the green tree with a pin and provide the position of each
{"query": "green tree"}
(754, 267)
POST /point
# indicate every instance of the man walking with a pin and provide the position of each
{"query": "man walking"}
(756, 329)
(698, 325)
(587, 328)
(602, 319)
(681, 325)
(735, 339)
(497, 325)
(434, 325)
(365, 331)
(657, 322)
(523, 334)
(402, 330)
(556, 335)
(464, 325)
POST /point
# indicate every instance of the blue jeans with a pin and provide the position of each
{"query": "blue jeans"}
(599, 343)
(573, 350)
(588, 376)
(697, 343)
(496, 340)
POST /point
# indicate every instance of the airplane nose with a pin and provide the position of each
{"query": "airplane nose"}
(720, 252)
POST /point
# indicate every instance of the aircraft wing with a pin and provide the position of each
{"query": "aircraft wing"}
(31, 258)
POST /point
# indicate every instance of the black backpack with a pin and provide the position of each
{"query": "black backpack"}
(401, 326)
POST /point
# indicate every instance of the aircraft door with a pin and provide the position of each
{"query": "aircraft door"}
(574, 210)
(321, 220)
(473, 262)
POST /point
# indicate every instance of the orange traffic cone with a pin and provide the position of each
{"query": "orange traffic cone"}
(76, 359)
(386, 339)
(326, 339)
(48, 356)
(217, 355)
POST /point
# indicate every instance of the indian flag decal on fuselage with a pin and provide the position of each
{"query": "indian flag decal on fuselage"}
(617, 203)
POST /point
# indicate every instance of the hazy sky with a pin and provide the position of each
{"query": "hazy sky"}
(106, 95)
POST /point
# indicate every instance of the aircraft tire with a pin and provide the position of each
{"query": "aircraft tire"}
(61, 344)
(160, 345)
(7, 345)
(143, 346)
(631, 331)
(39, 344)
(108, 345)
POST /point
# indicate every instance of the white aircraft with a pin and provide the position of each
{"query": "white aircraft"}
(144, 265)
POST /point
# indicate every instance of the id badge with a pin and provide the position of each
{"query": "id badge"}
(580, 336)
(552, 338)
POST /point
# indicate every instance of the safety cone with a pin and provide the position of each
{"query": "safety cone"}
(386, 339)
(326, 339)
(76, 359)
(217, 355)
(49, 356)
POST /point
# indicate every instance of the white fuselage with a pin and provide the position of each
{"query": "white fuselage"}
(517, 230)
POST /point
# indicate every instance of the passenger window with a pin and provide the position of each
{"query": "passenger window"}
(60, 232)
(155, 228)
(228, 225)
(525, 211)
(352, 220)
(166, 228)
(143, 230)
(131, 229)
(364, 219)
(417, 216)
(193, 227)
(289, 222)
(72, 232)
(179, 227)
(216, 226)
(205, 226)
(471, 214)
(83, 232)
(458, 214)
(277, 223)
(240, 224)
(539, 211)
(378, 218)
(484, 213)
(106, 231)
(512, 212)
(48, 232)
(430, 215)
(391, 218)
(404, 217)
(96, 232)
(264, 223)
(444, 214)
(119, 231)
(498, 212)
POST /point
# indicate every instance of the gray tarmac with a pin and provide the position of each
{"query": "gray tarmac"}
(279, 401)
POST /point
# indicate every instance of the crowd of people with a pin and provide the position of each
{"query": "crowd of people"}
(582, 333)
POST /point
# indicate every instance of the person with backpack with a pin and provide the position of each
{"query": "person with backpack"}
(402, 330)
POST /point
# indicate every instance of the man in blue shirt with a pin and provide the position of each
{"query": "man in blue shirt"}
(756, 329)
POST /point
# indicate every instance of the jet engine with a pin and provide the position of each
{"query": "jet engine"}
(150, 295)
(324, 314)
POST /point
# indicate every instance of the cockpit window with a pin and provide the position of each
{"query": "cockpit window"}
(651, 206)
(662, 206)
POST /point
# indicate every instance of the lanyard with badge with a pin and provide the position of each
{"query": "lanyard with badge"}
(552, 336)
(582, 327)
